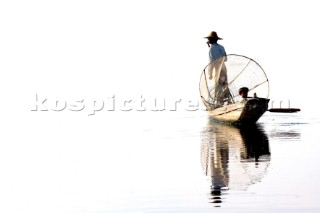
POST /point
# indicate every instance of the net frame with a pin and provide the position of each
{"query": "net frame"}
(236, 71)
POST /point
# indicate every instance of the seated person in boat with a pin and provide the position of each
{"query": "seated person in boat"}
(243, 92)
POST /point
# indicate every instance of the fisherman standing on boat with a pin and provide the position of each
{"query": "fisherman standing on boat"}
(217, 68)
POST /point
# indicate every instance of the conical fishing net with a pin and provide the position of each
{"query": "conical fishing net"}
(222, 78)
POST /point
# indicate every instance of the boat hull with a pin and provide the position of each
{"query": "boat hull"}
(243, 113)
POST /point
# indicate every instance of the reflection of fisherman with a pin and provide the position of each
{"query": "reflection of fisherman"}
(217, 69)
(234, 157)
(215, 158)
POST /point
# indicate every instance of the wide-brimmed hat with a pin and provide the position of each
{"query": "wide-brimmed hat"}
(213, 34)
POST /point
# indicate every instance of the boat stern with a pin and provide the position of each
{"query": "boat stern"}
(253, 110)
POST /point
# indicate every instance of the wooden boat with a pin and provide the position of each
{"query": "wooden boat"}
(223, 101)
(243, 112)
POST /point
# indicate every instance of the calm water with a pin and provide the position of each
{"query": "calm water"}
(159, 162)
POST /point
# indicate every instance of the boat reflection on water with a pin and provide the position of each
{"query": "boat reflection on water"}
(234, 157)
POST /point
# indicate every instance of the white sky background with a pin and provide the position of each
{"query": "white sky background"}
(93, 49)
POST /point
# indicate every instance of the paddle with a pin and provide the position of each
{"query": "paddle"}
(284, 110)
